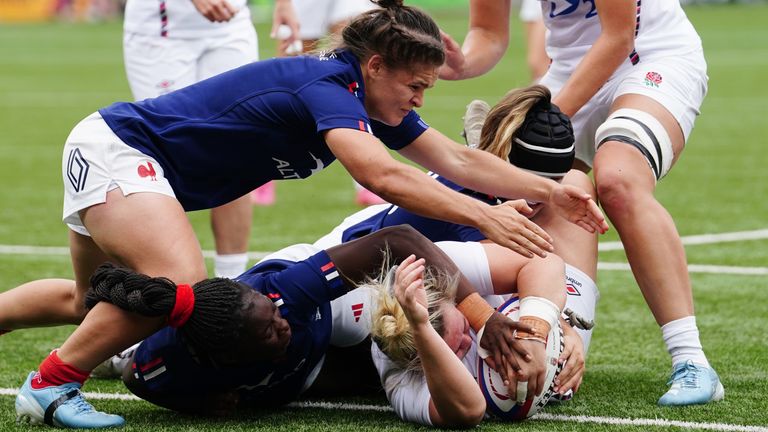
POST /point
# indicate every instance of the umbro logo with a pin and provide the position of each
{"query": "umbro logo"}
(77, 169)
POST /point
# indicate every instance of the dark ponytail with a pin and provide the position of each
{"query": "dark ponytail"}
(215, 321)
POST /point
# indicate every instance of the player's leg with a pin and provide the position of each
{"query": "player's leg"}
(134, 221)
(576, 246)
(638, 144)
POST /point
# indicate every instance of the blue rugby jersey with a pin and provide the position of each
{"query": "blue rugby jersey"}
(302, 291)
(433, 229)
(222, 137)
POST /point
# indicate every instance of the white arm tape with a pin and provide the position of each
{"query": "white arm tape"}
(540, 307)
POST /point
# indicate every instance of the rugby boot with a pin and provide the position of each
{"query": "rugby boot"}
(60, 406)
(692, 384)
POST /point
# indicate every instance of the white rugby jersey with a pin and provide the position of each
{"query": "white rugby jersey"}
(662, 29)
(179, 19)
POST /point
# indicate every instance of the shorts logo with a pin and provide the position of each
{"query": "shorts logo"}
(165, 86)
(571, 290)
(147, 172)
(77, 169)
(357, 311)
(653, 79)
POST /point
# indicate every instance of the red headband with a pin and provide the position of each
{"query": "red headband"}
(182, 309)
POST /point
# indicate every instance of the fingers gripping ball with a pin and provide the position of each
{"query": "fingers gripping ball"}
(498, 402)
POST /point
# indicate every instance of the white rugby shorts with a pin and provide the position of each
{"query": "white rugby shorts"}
(678, 83)
(95, 161)
(156, 65)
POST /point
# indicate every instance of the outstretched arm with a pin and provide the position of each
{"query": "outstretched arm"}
(484, 172)
(611, 49)
(371, 165)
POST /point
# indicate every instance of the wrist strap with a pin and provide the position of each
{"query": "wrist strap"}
(540, 331)
(476, 310)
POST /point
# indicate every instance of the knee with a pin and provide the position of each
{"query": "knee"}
(614, 191)
(581, 180)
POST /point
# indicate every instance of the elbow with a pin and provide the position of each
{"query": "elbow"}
(465, 417)
(403, 240)
(625, 41)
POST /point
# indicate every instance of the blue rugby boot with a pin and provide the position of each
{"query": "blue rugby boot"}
(61, 406)
(692, 384)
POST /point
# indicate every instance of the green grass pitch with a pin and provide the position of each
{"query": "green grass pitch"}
(52, 75)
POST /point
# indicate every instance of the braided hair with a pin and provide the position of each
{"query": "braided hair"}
(401, 35)
(215, 322)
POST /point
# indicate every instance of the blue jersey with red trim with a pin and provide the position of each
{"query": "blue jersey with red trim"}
(303, 291)
(218, 139)
(433, 229)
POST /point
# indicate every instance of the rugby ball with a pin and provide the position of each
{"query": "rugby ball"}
(498, 403)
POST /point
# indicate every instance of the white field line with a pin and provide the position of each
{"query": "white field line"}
(541, 416)
(702, 239)
(696, 268)
(606, 246)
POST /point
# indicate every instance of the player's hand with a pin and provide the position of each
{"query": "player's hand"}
(453, 68)
(409, 290)
(508, 225)
(215, 10)
(285, 14)
(573, 360)
(577, 207)
(529, 380)
(498, 339)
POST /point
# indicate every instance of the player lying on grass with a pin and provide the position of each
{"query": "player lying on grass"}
(256, 340)
(425, 351)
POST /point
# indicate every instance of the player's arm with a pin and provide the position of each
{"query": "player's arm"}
(368, 161)
(573, 360)
(360, 258)
(612, 47)
(483, 172)
(485, 42)
(456, 400)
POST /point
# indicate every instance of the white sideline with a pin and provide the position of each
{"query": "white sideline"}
(541, 416)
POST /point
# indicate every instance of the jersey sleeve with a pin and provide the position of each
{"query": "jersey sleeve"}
(332, 106)
(397, 137)
(472, 261)
(407, 392)
(310, 283)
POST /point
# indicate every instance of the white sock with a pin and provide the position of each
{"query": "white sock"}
(230, 266)
(682, 339)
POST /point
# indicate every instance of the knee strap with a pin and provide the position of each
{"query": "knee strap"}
(644, 132)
